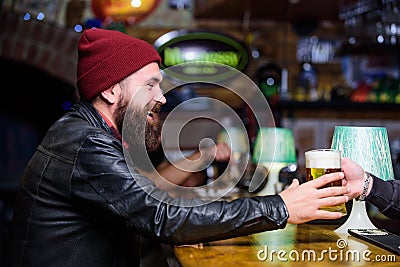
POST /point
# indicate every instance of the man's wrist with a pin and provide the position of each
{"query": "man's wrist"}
(366, 187)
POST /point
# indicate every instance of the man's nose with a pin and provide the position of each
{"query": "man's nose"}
(160, 98)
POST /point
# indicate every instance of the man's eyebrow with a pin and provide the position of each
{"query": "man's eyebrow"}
(154, 79)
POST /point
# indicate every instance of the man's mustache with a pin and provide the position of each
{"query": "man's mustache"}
(156, 108)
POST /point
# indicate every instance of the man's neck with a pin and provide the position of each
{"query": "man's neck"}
(106, 114)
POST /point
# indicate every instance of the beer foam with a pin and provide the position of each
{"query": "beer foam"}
(323, 158)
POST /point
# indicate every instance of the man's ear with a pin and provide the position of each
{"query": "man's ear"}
(111, 95)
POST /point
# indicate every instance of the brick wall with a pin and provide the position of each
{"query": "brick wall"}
(45, 45)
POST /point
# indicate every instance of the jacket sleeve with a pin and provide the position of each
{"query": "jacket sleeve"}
(385, 195)
(107, 190)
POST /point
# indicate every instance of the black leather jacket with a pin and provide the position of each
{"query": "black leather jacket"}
(385, 195)
(79, 205)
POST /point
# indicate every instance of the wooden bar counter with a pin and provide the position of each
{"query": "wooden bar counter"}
(296, 245)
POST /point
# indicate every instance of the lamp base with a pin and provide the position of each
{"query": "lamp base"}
(273, 178)
(358, 219)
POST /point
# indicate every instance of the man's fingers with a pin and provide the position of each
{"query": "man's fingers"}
(332, 201)
(333, 191)
(327, 178)
(294, 183)
(329, 215)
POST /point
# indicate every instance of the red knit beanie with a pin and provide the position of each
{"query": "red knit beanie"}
(105, 57)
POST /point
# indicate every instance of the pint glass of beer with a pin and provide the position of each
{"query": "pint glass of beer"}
(324, 161)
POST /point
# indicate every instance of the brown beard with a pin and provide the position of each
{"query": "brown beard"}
(140, 125)
(120, 112)
(153, 130)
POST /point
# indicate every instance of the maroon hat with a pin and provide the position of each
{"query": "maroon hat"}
(105, 57)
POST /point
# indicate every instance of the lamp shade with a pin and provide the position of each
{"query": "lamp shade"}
(238, 141)
(123, 10)
(236, 137)
(274, 144)
(368, 146)
(274, 149)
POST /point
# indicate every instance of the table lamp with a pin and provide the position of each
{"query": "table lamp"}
(369, 147)
(238, 141)
(236, 138)
(274, 148)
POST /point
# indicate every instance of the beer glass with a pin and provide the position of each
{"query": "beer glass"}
(324, 161)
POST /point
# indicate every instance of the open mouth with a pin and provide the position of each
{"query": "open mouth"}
(150, 116)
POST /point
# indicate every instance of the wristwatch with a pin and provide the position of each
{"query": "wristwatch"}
(367, 180)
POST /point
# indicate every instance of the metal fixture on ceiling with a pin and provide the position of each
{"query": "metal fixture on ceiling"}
(368, 21)
(274, 10)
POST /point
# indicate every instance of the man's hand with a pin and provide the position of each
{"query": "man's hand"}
(220, 152)
(354, 178)
(304, 201)
(223, 152)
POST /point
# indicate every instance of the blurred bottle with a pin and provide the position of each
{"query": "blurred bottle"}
(308, 79)
(360, 94)
(307, 83)
(269, 79)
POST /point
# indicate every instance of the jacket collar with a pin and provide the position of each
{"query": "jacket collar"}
(90, 113)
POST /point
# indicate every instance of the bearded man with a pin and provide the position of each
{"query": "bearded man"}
(81, 201)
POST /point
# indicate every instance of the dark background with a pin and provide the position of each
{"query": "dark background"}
(31, 101)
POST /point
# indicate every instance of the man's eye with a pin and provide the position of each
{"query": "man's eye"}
(150, 85)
